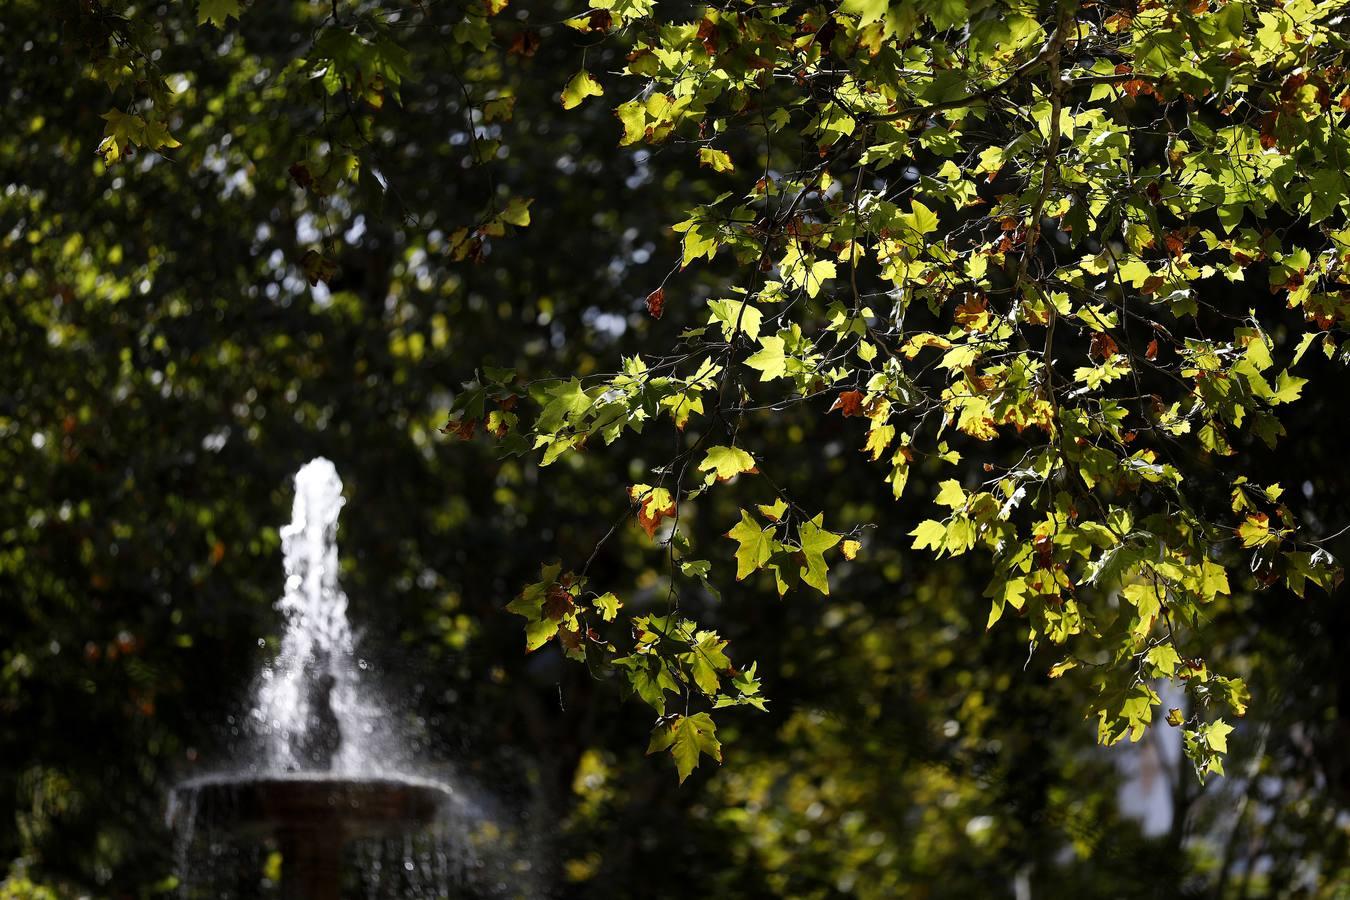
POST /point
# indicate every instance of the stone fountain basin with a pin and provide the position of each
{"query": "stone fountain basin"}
(354, 807)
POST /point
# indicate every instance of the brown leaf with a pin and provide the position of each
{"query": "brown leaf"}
(600, 20)
(1045, 551)
(1103, 346)
(850, 403)
(1175, 242)
(301, 174)
(460, 428)
(973, 315)
(649, 514)
(707, 35)
(656, 303)
(1151, 351)
(525, 43)
(1136, 86)
(570, 640)
(557, 603)
(317, 267)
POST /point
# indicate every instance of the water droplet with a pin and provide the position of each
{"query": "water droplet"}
(408, 864)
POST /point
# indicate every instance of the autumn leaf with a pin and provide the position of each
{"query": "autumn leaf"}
(525, 43)
(1255, 530)
(654, 504)
(656, 303)
(850, 403)
(558, 603)
(1102, 346)
(973, 315)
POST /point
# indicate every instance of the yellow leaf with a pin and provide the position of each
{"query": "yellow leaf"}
(579, 88)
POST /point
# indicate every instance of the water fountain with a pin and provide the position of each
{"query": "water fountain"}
(323, 787)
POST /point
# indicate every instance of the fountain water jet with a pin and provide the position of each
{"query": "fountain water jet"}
(322, 784)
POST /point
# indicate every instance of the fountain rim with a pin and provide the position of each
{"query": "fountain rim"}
(250, 776)
(285, 801)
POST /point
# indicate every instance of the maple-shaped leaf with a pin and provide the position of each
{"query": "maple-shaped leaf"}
(929, 534)
(708, 661)
(650, 678)
(815, 540)
(558, 603)
(608, 606)
(717, 160)
(1288, 388)
(756, 545)
(1102, 346)
(687, 738)
(123, 133)
(850, 403)
(654, 504)
(539, 633)
(727, 462)
(317, 267)
(771, 360)
(950, 494)
(1255, 530)
(973, 314)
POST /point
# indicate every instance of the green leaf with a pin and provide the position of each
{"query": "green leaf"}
(755, 545)
(1164, 659)
(951, 495)
(579, 88)
(929, 534)
(538, 633)
(727, 462)
(707, 661)
(517, 212)
(687, 738)
(717, 160)
(1216, 733)
(1287, 388)
(771, 361)
(736, 317)
(815, 540)
(608, 606)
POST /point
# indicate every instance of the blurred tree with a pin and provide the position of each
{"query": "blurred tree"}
(236, 237)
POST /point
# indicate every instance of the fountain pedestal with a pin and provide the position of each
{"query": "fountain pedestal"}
(313, 817)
